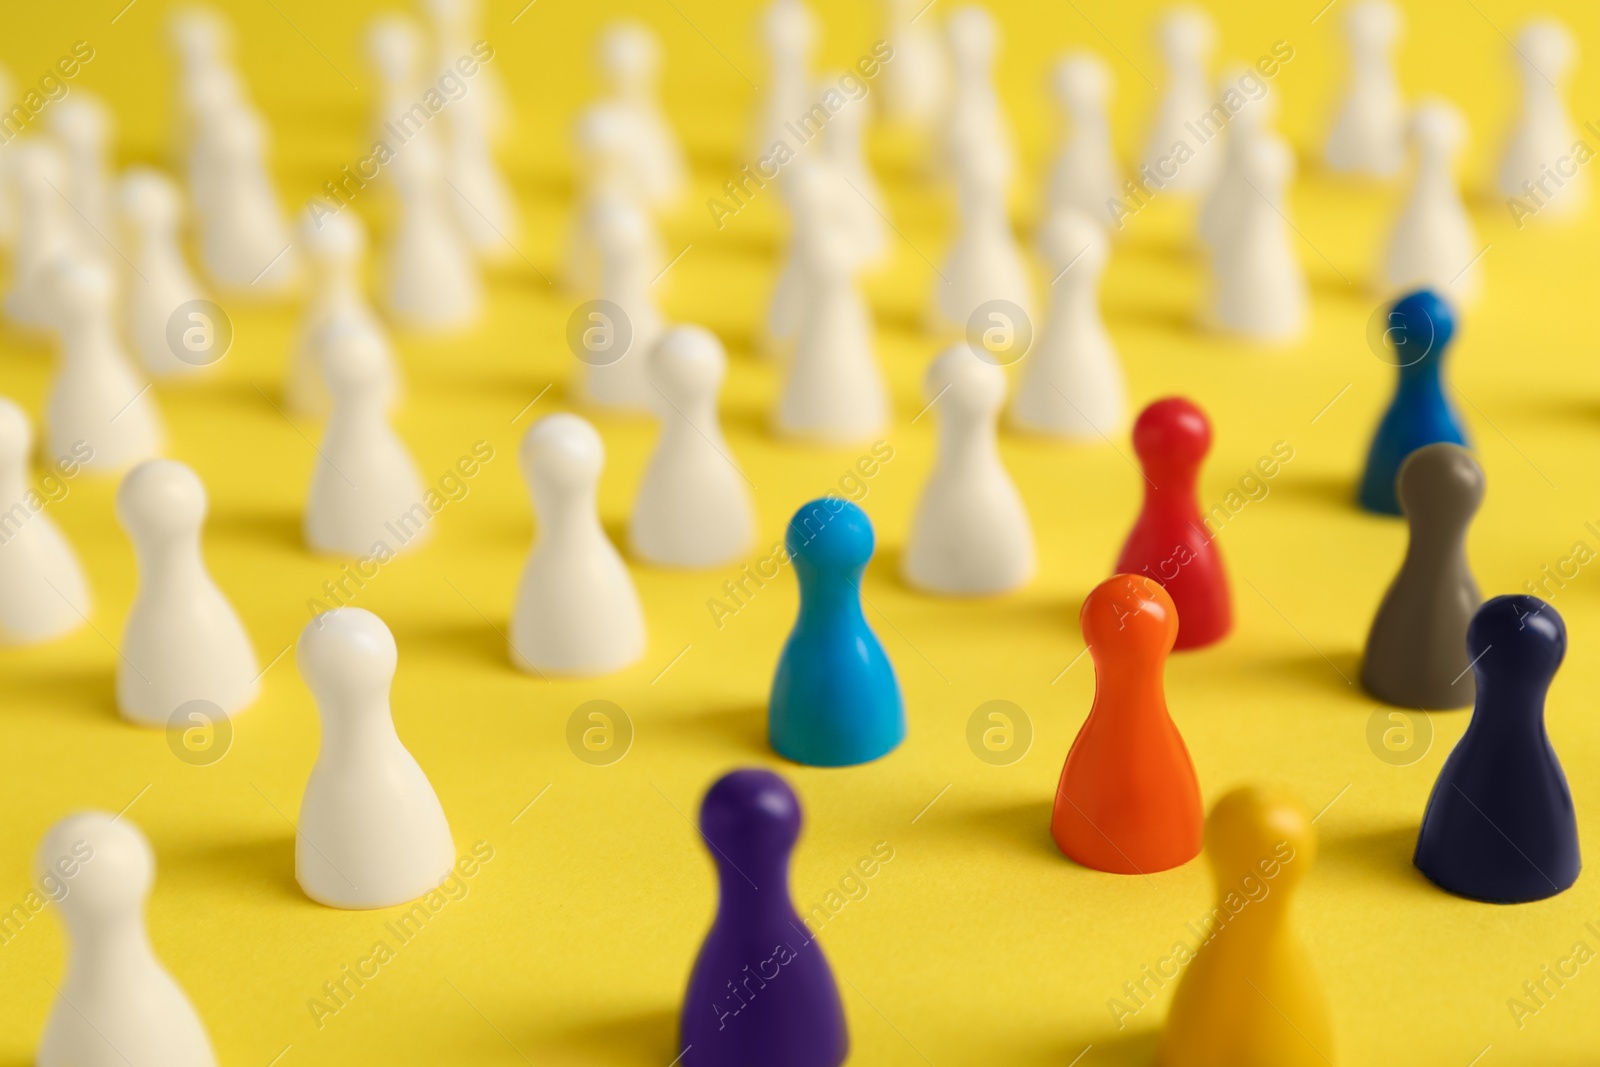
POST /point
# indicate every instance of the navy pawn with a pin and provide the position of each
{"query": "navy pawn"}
(1499, 826)
(835, 699)
(761, 992)
(1418, 334)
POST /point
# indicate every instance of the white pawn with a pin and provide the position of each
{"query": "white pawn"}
(45, 234)
(970, 533)
(1258, 286)
(841, 147)
(218, 98)
(576, 611)
(1368, 135)
(81, 125)
(43, 594)
(393, 45)
(1185, 37)
(97, 399)
(833, 390)
(693, 507)
(1071, 382)
(485, 210)
(116, 1005)
(630, 61)
(625, 240)
(976, 125)
(432, 282)
(1084, 176)
(335, 245)
(985, 262)
(182, 641)
(244, 242)
(1432, 243)
(603, 136)
(788, 33)
(365, 493)
(457, 32)
(1543, 137)
(1231, 194)
(160, 281)
(371, 832)
(916, 81)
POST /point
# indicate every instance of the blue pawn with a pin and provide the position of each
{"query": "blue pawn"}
(835, 700)
(1420, 326)
(1500, 826)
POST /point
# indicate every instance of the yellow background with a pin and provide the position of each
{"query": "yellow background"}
(978, 943)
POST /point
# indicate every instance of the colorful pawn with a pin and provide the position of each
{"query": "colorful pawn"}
(1128, 802)
(835, 700)
(1169, 543)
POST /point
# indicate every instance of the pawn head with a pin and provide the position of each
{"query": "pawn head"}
(1261, 833)
(750, 812)
(1420, 327)
(966, 382)
(39, 166)
(562, 450)
(1082, 83)
(1441, 485)
(16, 434)
(334, 239)
(788, 27)
(688, 363)
(629, 54)
(1516, 638)
(393, 43)
(79, 289)
(345, 655)
(1373, 24)
(160, 498)
(149, 200)
(1547, 47)
(95, 866)
(829, 534)
(200, 35)
(1267, 163)
(1071, 238)
(354, 363)
(1129, 616)
(1437, 127)
(81, 122)
(1186, 35)
(973, 36)
(1171, 434)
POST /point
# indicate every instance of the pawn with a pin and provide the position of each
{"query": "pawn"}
(625, 240)
(1258, 286)
(1419, 331)
(366, 496)
(630, 61)
(916, 85)
(841, 145)
(835, 699)
(1432, 244)
(1227, 201)
(245, 246)
(1128, 801)
(1071, 382)
(335, 244)
(1500, 825)
(97, 400)
(1251, 997)
(1169, 544)
(1185, 37)
(1417, 648)
(81, 125)
(432, 281)
(1084, 176)
(371, 832)
(393, 44)
(985, 263)
(45, 234)
(976, 124)
(970, 533)
(1544, 56)
(605, 143)
(43, 594)
(457, 26)
(485, 209)
(694, 507)
(1368, 136)
(182, 641)
(116, 1004)
(576, 610)
(788, 33)
(736, 1012)
(151, 206)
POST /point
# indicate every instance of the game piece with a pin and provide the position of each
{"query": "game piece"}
(916, 82)
(115, 1004)
(1169, 543)
(336, 245)
(813, 196)
(1542, 145)
(371, 831)
(1500, 825)
(1128, 801)
(625, 239)
(835, 699)
(576, 611)
(1420, 328)
(976, 124)
(366, 496)
(1084, 176)
(81, 125)
(833, 389)
(432, 282)
(151, 205)
(43, 594)
(1251, 996)
(630, 61)
(1417, 648)
(970, 533)
(984, 263)
(245, 245)
(1071, 383)
(485, 209)
(1231, 194)
(1258, 288)
(841, 144)
(457, 32)
(787, 33)
(44, 233)
(182, 640)
(1185, 36)
(393, 45)
(1432, 244)
(694, 507)
(218, 96)
(761, 990)
(604, 139)
(97, 398)
(1368, 135)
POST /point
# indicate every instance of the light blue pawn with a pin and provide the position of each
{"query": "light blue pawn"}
(835, 700)
(1420, 326)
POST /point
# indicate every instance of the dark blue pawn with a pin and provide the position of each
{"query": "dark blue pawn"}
(1420, 326)
(1499, 826)
(835, 700)
(761, 994)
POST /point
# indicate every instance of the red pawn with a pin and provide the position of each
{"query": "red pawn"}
(1169, 542)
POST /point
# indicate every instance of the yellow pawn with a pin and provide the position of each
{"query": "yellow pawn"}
(1251, 998)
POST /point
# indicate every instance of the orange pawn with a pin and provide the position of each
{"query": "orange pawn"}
(1128, 801)
(1251, 997)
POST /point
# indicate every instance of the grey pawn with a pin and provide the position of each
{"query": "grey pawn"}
(1417, 649)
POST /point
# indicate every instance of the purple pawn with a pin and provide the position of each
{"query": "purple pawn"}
(761, 991)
